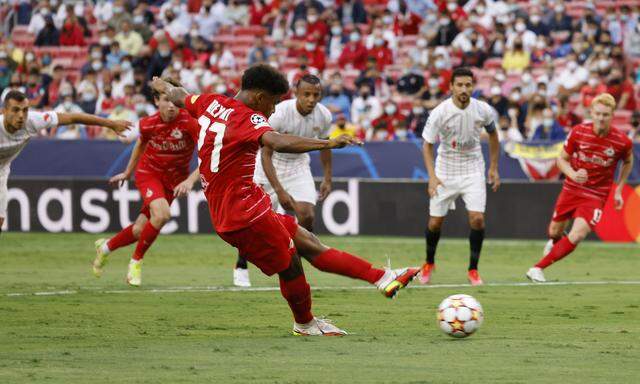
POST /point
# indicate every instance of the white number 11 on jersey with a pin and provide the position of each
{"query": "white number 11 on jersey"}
(218, 129)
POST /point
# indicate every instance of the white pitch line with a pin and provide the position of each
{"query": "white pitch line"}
(274, 289)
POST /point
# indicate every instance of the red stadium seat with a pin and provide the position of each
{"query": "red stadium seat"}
(252, 30)
(494, 62)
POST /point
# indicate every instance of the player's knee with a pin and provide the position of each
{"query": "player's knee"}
(476, 221)
(435, 224)
(555, 232)
(137, 229)
(578, 234)
(160, 216)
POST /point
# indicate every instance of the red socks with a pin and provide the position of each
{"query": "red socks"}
(147, 237)
(122, 239)
(298, 294)
(561, 249)
(344, 264)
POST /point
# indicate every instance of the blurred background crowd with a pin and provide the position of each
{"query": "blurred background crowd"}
(385, 64)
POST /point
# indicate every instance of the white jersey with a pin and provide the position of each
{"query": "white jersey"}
(12, 143)
(287, 119)
(459, 153)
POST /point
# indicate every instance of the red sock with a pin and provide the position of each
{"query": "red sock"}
(561, 249)
(298, 294)
(122, 239)
(147, 237)
(344, 264)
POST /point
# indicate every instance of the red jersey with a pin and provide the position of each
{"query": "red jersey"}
(228, 141)
(599, 156)
(169, 146)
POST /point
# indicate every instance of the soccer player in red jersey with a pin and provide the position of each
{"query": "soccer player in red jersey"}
(161, 159)
(589, 161)
(230, 135)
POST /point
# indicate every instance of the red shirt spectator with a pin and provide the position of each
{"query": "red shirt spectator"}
(589, 91)
(354, 53)
(624, 88)
(382, 54)
(153, 42)
(257, 11)
(71, 34)
(389, 120)
(408, 24)
(319, 30)
(315, 53)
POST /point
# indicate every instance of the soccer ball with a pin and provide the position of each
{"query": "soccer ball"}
(460, 315)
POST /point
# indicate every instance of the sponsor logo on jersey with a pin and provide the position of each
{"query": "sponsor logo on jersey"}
(176, 134)
(258, 121)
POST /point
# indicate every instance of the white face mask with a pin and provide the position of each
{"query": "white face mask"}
(496, 91)
(515, 96)
(548, 122)
(336, 30)
(300, 31)
(500, 77)
(520, 27)
(421, 43)
(572, 65)
(96, 65)
(198, 72)
(390, 109)
(312, 18)
(401, 134)
(126, 66)
(451, 6)
(104, 40)
(445, 22)
(378, 42)
(355, 37)
(221, 88)
(177, 65)
(535, 19)
(310, 47)
(87, 96)
(67, 105)
(526, 78)
(388, 19)
(559, 9)
(480, 10)
(417, 110)
(138, 19)
(593, 82)
(440, 64)
(433, 83)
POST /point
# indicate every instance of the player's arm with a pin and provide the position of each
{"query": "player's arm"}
(183, 188)
(138, 149)
(176, 95)
(429, 164)
(280, 142)
(284, 198)
(564, 164)
(326, 160)
(627, 166)
(118, 126)
(494, 154)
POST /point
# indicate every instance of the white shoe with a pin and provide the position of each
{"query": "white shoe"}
(535, 274)
(394, 280)
(241, 277)
(547, 248)
(134, 274)
(317, 327)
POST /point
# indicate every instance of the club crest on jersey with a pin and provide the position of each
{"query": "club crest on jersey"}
(258, 121)
(176, 134)
(149, 192)
(46, 117)
(609, 152)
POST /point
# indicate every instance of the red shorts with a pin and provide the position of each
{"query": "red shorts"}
(267, 243)
(152, 187)
(571, 206)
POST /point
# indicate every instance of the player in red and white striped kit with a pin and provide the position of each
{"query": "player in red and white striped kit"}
(231, 133)
(589, 160)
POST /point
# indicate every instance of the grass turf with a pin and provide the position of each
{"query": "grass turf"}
(105, 332)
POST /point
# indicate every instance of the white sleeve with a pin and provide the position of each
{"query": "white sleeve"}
(325, 129)
(277, 119)
(489, 114)
(37, 121)
(431, 127)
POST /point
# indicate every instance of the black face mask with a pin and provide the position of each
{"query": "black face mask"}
(365, 95)
(335, 93)
(518, 46)
(341, 125)
(635, 123)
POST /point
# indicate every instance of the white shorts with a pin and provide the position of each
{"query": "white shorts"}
(4, 192)
(300, 186)
(473, 190)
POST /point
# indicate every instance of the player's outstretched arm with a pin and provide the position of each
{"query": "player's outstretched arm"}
(118, 126)
(176, 95)
(296, 144)
(627, 166)
(120, 178)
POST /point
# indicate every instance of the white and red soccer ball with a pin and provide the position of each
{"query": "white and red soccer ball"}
(460, 315)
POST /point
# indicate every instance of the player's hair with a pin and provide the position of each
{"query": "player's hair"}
(263, 77)
(605, 99)
(14, 95)
(461, 72)
(174, 82)
(309, 79)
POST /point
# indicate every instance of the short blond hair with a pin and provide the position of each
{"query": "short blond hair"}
(605, 99)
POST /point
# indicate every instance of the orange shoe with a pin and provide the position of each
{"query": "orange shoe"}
(396, 279)
(474, 277)
(424, 276)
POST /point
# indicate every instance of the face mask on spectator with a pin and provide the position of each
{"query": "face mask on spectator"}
(126, 66)
(140, 108)
(572, 65)
(221, 88)
(198, 72)
(30, 57)
(87, 96)
(96, 55)
(521, 27)
(417, 110)
(440, 64)
(53, 3)
(274, 64)
(496, 91)
(355, 37)
(390, 109)
(387, 19)
(445, 21)
(480, 10)
(515, 96)
(118, 9)
(500, 77)
(535, 19)
(540, 44)
(421, 43)
(433, 83)
(96, 65)
(401, 134)
(451, 6)
(548, 122)
(138, 19)
(67, 105)
(104, 40)
(177, 65)
(310, 46)
(164, 53)
(559, 8)
(526, 78)
(44, 11)
(378, 42)
(300, 31)
(336, 30)
(312, 18)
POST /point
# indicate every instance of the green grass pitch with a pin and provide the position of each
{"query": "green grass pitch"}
(59, 324)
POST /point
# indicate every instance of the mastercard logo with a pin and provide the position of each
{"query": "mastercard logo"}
(621, 225)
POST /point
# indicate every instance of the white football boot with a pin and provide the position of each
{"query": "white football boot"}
(241, 277)
(317, 327)
(535, 274)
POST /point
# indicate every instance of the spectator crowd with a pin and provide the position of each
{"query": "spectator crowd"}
(385, 64)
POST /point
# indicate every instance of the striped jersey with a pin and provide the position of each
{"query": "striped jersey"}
(169, 146)
(597, 155)
(228, 140)
(459, 152)
(12, 143)
(287, 119)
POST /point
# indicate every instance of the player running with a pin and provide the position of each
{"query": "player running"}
(589, 161)
(18, 125)
(231, 132)
(459, 168)
(286, 177)
(160, 158)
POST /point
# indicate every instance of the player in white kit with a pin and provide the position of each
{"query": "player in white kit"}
(459, 169)
(286, 177)
(18, 125)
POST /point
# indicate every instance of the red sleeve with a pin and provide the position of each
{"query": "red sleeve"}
(192, 105)
(144, 132)
(570, 143)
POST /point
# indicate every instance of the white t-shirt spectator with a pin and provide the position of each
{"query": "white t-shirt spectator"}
(363, 112)
(570, 77)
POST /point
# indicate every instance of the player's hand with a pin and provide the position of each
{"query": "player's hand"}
(494, 179)
(183, 188)
(119, 179)
(325, 189)
(342, 141)
(286, 201)
(158, 85)
(580, 176)
(618, 200)
(433, 186)
(120, 127)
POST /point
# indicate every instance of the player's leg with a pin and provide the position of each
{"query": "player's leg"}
(476, 238)
(4, 196)
(555, 232)
(332, 260)
(127, 236)
(305, 213)
(579, 231)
